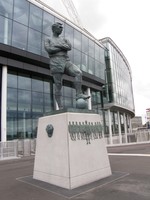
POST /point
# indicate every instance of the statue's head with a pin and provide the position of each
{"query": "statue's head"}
(57, 28)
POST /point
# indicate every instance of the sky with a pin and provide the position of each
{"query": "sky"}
(127, 23)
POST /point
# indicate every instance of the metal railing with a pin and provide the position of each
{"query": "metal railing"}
(17, 148)
(142, 135)
(8, 150)
(138, 136)
(26, 147)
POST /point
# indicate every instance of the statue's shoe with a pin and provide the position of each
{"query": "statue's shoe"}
(82, 96)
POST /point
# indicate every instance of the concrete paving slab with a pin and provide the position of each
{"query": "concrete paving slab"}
(135, 186)
(74, 192)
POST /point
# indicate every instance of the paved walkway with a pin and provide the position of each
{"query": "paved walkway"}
(130, 180)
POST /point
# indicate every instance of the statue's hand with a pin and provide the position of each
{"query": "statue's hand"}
(50, 47)
(64, 44)
(67, 42)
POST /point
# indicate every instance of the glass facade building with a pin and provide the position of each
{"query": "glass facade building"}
(26, 86)
(118, 94)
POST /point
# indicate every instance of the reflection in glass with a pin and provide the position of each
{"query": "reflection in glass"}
(96, 101)
(37, 85)
(48, 20)
(44, 52)
(97, 52)
(35, 20)
(98, 94)
(47, 103)
(115, 126)
(12, 99)
(24, 82)
(69, 33)
(11, 127)
(12, 80)
(102, 55)
(93, 97)
(68, 95)
(5, 30)
(24, 109)
(77, 57)
(77, 39)
(91, 48)
(6, 8)
(19, 40)
(67, 102)
(34, 126)
(91, 69)
(67, 91)
(121, 80)
(102, 71)
(47, 88)
(21, 11)
(97, 69)
(85, 43)
(34, 42)
(84, 65)
(24, 125)
(24, 100)
(37, 102)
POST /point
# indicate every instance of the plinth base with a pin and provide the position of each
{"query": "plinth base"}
(68, 158)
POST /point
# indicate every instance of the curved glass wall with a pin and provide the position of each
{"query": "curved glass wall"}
(25, 26)
(122, 81)
(119, 77)
(118, 95)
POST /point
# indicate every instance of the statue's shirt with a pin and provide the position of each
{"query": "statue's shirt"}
(57, 49)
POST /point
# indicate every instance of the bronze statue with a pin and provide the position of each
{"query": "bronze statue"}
(60, 63)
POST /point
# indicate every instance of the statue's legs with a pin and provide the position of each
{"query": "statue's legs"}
(58, 85)
(74, 71)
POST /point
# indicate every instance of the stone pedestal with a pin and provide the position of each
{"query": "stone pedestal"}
(68, 158)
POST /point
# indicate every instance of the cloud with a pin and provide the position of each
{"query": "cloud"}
(91, 14)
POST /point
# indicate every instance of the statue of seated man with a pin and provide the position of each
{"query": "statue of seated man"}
(57, 49)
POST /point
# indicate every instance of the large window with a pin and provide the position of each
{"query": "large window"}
(77, 39)
(28, 99)
(34, 41)
(85, 44)
(19, 40)
(121, 80)
(91, 49)
(35, 19)
(48, 20)
(5, 30)
(21, 11)
(69, 33)
(96, 101)
(6, 8)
